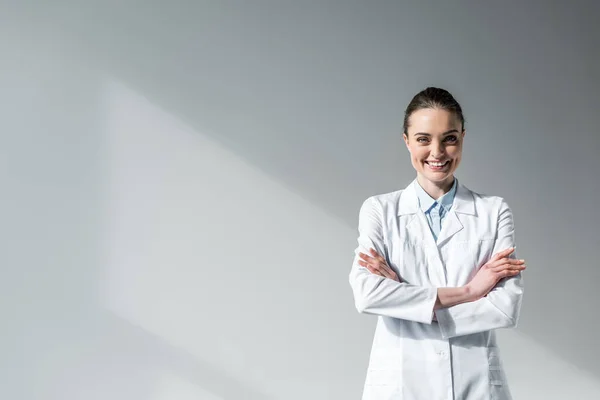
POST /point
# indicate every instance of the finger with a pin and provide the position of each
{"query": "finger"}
(517, 268)
(503, 253)
(380, 267)
(372, 268)
(375, 271)
(503, 268)
(508, 266)
(493, 264)
(383, 270)
(386, 271)
(366, 257)
(502, 261)
(376, 254)
(507, 273)
(510, 272)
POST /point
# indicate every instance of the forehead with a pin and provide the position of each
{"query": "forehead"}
(433, 121)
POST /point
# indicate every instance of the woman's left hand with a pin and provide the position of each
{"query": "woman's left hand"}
(376, 265)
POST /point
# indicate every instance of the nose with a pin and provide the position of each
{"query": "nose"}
(437, 151)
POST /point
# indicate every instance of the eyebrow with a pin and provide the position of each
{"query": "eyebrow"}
(445, 133)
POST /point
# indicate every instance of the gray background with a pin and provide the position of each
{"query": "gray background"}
(181, 183)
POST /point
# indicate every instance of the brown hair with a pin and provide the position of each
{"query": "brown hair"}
(433, 97)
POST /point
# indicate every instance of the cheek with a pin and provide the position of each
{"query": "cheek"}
(417, 154)
(455, 153)
(456, 160)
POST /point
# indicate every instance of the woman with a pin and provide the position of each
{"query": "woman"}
(436, 263)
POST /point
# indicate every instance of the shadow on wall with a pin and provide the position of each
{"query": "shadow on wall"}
(308, 110)
(225, 72)
(246, 302)
(201, 249)
(115, 359)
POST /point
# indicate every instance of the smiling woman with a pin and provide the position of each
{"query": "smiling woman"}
(436, 123)
(435, 262)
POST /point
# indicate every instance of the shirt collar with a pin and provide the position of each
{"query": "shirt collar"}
(426, 202)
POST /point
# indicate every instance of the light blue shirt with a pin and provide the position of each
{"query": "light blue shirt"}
(435, 210)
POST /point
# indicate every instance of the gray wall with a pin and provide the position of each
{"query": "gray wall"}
(181, 184)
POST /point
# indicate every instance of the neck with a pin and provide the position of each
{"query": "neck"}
(436, 189)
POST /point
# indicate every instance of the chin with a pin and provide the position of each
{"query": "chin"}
(437, 176)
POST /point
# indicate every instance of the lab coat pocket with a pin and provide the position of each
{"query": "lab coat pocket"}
(464, 258)
(496, 372)
(383, 377)
(384, 367)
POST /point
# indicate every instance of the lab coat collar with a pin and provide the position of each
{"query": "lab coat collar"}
(463, 200)
(426, 202)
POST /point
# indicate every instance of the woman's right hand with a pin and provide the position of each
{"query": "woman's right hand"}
(499, 267)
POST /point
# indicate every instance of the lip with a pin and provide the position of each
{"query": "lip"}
(445, 167)
(440, 162)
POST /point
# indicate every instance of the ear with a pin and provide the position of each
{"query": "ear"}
(405, 137)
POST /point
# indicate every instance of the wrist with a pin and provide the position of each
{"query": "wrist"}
(470, 293)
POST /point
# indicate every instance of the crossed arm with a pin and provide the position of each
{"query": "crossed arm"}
(491, 300)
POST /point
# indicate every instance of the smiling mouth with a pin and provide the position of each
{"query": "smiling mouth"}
(437, 165)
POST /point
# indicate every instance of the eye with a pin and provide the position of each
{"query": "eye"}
(451, 138)
(422, 141)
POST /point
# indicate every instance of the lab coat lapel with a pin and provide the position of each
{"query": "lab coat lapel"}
(419, 233)
(451, 226)
(463, 204)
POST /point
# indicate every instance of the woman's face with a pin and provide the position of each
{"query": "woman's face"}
(435, 137)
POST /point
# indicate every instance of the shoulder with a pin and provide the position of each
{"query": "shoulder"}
(491, 203)
(381, 204)
(385, 199)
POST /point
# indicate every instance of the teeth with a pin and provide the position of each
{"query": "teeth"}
(437, 164)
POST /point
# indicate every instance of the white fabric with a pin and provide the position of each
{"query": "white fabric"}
(413, 357)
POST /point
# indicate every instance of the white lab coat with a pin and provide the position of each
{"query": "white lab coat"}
(413, 357)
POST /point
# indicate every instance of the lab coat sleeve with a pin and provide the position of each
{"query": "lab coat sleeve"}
(501, 307)
(374, 294)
